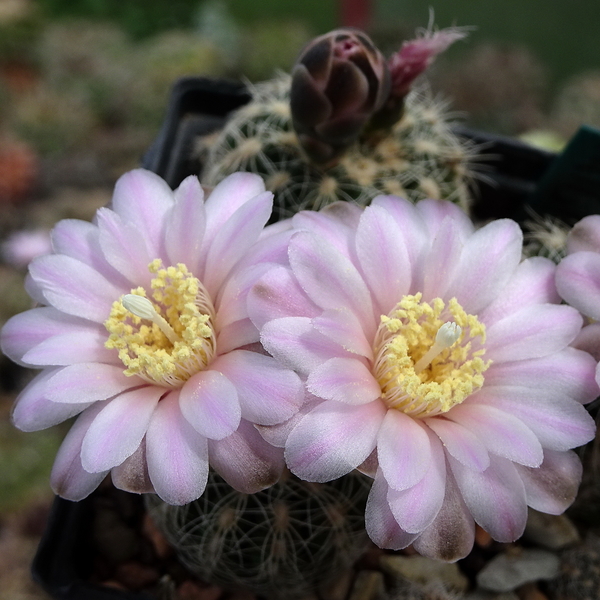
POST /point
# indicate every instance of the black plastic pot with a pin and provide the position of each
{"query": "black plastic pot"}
(567, 186)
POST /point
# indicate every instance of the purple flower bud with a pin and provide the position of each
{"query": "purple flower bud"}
(339, 81)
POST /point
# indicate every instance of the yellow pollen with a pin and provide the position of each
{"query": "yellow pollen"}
(168, 338)
(428, 356)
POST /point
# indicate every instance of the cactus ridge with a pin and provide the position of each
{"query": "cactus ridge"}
(419, 157)
(282, 541)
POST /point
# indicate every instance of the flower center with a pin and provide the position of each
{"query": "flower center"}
(167, 339)
(428, 356)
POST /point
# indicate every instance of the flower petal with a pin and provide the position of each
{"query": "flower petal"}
(33, 411)
(68, 478)
(552, 487)
(403, 450)
(185, 224)
(461, 443)
(501, 433)
(209, 401)
(435, 212)
(74, 287)
(578, 282)
(488, 261)
(526, 333)
(345, 380)
(415, 508)
(385, 265)
(379, 520)
(117, 431)
(495, 497)
(88, 382)
(246, 462)
(177, 455)
(268, 394)
(333, 439)
(132, 474)
(585, 235)
(342, 326)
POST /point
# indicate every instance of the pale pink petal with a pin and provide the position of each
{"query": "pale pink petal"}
(534, 331)
(83, 346)
(569, 373)
(268, 248)
(236, 335)
(124, 247)
(461, 443)
(585, 235)
(403, 450)
(495, 497)
(143, 199)
(26, 330)
(209, 401)
(333, 439)
(578, 282)
(297, 344)
(330, 279)
(235, 238)
(416, 507)
(73, 287)
(346, 380)
(68, 478)
(117, 431)
(132, 474)
(552, 487)
(185, 225)
(246, 462)
(268, 394)
(343, 327)
(501, 433)
(440, 263)
(451, 535)
(588, 340)
(532, 283)
(229, 195)
(379, 520)
(177, 455)
(88, 382)
(559, 424)
(385, 264)
(435, 212)
(34, 290)
(81, 240)
(488, 261)
(276, 295)
(33, 411)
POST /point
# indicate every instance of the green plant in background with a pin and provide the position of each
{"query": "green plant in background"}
(345, 126)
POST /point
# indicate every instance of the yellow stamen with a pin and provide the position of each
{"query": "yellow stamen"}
(179, 340)
(425, 365)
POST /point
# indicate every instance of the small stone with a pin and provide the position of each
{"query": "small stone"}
(505, 572)
(422, 570)
(136, 576)
(368, 585)
(159, 542)
(482, 538)
(191, 590)
(530, 591)
(550, 531)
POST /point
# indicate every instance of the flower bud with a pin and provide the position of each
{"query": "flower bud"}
(338, 82)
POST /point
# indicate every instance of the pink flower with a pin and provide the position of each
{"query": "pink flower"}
(144, 332)
(437, 362)
(22, 247)
(578, 281)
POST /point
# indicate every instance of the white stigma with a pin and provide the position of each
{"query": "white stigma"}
(446, 336)
(142, 308)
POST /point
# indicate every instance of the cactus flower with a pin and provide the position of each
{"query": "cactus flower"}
(143, 334)
(578, 280)
(435, 361)
(338, 82)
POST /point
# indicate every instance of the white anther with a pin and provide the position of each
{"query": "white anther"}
(143, 308)
(446, 336)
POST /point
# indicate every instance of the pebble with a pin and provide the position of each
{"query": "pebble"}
(190, 590)
(368, 585)
(550, 531)
(507, 572)
(422, 570)
(135, 576)
(159, 542)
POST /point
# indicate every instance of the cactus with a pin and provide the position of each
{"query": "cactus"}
(284, 541)
(420, 157)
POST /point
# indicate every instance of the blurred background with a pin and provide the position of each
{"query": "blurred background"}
(83, 90)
